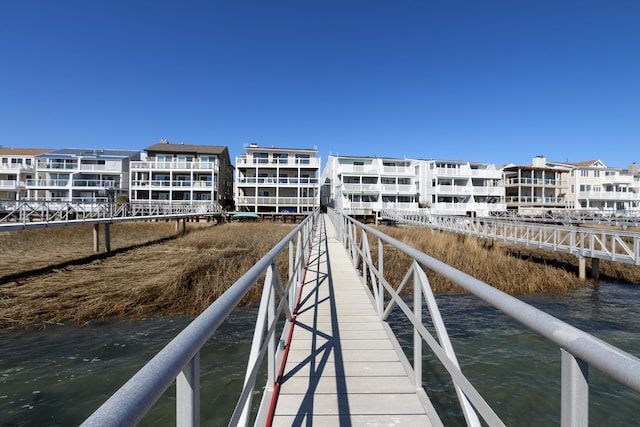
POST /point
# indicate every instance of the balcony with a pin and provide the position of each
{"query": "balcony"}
(609, 195)
(455, 190)
(177, 165)
(486, 173)
(539, 182)
(399, 189)
(360, 188)
(537, 201)
(276, 181)
(11, 184)
(58, 165)
(463, 171)
(358, 169)
(95, 183)
(618, 179)
(274, 201)
(48, 183)
(137, 184)
(277, 162)
(16, 167)
(397, 171)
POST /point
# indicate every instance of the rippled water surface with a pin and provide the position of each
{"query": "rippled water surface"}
(58, 376)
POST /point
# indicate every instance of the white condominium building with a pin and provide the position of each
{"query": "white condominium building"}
(365, 185)
(593, 185)
(17, 165)
(183, 173)
(81, 175)
(277, 180)
(461, 188)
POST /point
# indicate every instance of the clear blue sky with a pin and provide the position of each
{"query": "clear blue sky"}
(482, 80)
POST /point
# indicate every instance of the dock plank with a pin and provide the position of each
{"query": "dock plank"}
(342, 367)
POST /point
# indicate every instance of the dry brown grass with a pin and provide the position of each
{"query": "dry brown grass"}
(478, 258)
(181, 276)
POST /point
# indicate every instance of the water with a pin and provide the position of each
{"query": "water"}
(58, 376)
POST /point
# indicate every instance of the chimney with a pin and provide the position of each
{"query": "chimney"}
(633, 168)
(539, 162)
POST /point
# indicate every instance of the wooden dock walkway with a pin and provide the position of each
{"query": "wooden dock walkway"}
(342, 367)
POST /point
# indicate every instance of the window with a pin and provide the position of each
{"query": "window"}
(584, 172)
(596, 174)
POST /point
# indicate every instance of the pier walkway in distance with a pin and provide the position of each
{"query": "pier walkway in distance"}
(342, 367)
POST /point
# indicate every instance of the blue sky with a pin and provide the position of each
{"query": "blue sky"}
(493, 81)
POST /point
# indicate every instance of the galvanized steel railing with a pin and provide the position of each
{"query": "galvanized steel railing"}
(179, 361)
(579, 350)
(611, 245)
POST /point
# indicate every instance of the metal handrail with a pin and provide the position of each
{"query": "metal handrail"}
(579, 350)
(23, 214)
(179, 360)
(611, 245)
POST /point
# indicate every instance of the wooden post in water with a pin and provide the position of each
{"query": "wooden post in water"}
(582, 267)
(96, 237)
(595, 268)
(107, 237)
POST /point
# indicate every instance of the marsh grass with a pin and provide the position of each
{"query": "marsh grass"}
(179, 276)
(154, 271)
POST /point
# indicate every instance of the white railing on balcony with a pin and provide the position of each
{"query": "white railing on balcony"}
(454, 189)
(169, 184)
(289, 162)
(461, 171)
(617, 179)
(58, 165)
(276, 181)
(537, 200)
(488, 191)
(48, 183)
(11, 184)
(358, 169)
(397, 170)
(16, 167)
(95, 183)
(401, 189)
(609, 195)
(537, 181)
(359, 188)
(184, 165)
(264, 200)
(486, 173)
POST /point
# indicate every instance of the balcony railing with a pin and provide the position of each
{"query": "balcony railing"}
(537, 181)
(95, 183)
(397, 170)
(175, 165)
(58, 165)
(289, 162)
(536, 200)
(169, 184)
(402, 189)
(276, 181)
(48, 183)
(609, 195)
(265, 200)
(16, 167)
(359, 188)
(10, 184)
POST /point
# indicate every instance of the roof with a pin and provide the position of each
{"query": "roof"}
(90, 152)
(165, 147)
(254, 147)
(8, 151)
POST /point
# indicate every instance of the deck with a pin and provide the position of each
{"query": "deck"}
(342, 367)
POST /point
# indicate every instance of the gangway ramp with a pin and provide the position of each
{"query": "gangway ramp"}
(343, 367)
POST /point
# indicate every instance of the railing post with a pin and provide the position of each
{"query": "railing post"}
(188, 394)
(380, 290)
(575, 391)
(417, 339)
